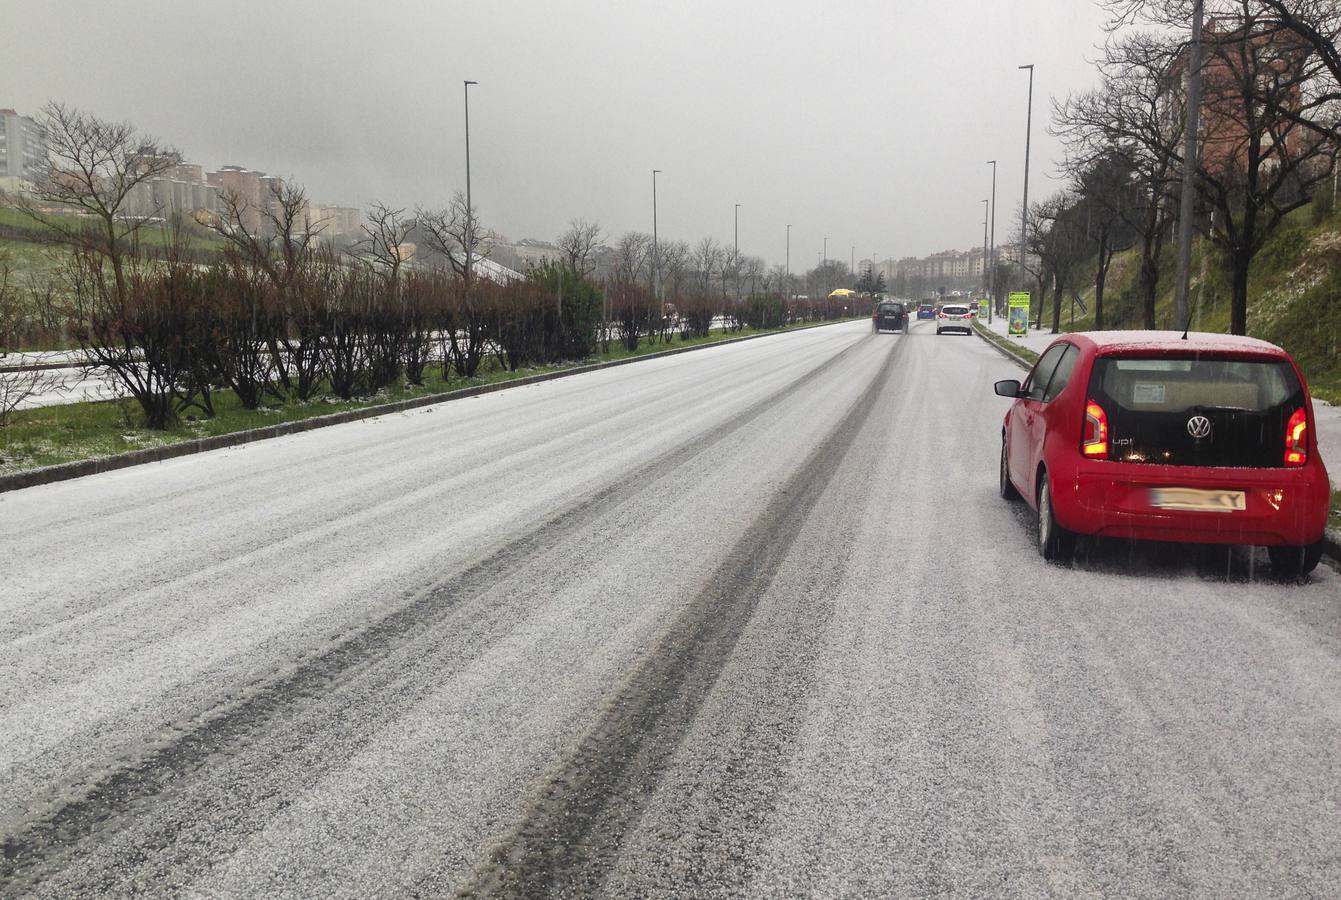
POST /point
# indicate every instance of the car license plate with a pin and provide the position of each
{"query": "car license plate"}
(1197, 499)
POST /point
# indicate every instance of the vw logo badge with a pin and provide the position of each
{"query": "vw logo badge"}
(1199, 427)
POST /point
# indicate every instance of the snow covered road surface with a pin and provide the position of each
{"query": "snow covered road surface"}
(748, 621)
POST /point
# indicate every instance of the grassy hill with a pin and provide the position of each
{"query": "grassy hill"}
(1294, 297)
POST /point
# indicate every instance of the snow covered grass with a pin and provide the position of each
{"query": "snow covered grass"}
(1013, 347)
(71, 432)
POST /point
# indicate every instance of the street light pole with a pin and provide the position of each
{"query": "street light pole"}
(991, 283)
(788, 267)
(470, 209)
(824, 268)
(656, 258)
(1191, 158)
(1024, 209)
(735, 259)
(986, 214)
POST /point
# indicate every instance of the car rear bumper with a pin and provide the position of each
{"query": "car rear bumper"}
(1280, 506)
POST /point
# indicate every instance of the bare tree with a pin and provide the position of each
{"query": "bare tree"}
(456, 233)
(1134, 116)
(95, 165)
(285, 242)
(633, 256)
(17, 384)
(579, 244)
(383, 245)
(1259, 164)
(707, 260)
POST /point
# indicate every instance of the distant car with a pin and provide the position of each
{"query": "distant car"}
(926, 311)
(1149, 436)
(954, 317)
(889, 315)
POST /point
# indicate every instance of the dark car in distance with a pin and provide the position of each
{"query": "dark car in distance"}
(889, 315)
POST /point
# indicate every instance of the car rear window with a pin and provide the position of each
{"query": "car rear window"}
(890, 309)
(955, 310)
(1150, 403)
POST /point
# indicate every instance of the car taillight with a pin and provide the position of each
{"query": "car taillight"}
(940, 315)
(1296, 430)
(1096, 430)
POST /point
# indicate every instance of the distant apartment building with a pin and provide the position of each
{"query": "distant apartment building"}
(335, 224)
(530, 253)
(179, 189)
(23, 152)
(242, 186)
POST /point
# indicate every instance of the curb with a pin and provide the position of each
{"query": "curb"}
(1009, 354)
(79, 469)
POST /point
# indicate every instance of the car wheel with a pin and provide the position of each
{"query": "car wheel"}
(1007, 489)
(938, 331)
(1055, 543)
(1292, 562)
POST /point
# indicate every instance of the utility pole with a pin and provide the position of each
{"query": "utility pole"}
(788, 266)
(656, 258)
(991, 283)
(1024, 209)
(986, 207)
(470, 209)
(735, 259)
(1191, 159)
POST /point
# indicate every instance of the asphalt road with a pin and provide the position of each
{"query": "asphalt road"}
(749, 621)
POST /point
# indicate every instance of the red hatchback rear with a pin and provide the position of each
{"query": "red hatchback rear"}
(1150, 435)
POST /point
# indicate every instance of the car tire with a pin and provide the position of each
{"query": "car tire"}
(938, 331)
(1006, 486)
(1294, 562)
(1055, 543)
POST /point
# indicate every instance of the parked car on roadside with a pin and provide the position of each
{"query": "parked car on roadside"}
(1150, 435)
(889, 315)
(954, 317)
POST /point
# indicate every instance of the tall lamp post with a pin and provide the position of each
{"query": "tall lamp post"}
(656, 257)
(824, 267)
(470, 209)
(1024, 209)
(735, 258)
(1190, 160)
(787, 278)
(991, 280)
(986, 214)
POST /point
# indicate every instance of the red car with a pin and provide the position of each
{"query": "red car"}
(1151, 435)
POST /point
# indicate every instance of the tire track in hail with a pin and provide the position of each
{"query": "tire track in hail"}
(569, 839)
(54, 834)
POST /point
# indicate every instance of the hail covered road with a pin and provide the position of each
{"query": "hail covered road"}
(749, 621)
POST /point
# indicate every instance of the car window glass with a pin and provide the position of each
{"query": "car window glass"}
(1038, 379)
(1062, 374)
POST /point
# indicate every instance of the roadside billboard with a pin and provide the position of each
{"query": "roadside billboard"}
(984, 308)
(1017, 325)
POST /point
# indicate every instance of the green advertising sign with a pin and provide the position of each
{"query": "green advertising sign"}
(1017, 325)
(984, 309)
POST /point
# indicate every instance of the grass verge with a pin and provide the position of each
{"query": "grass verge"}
(1017, 349)
(72, 432)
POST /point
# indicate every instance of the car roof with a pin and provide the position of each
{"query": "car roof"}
(1105, 342)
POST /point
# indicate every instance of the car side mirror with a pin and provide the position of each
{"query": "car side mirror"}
(1008, 388)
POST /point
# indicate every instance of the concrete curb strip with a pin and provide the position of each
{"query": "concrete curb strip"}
(66, 471)
(1009, 354)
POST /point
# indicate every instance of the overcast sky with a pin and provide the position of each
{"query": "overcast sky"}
(869, 121)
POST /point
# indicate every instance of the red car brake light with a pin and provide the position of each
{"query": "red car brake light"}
(1095, 442)
(1296, 431)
